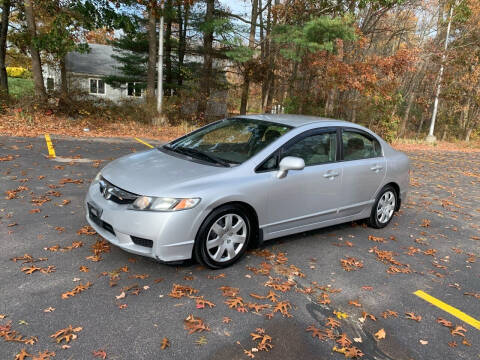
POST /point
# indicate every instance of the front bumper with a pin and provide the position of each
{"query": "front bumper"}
(172, 233)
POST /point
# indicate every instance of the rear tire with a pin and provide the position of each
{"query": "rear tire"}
(223, 237)
(384, 208)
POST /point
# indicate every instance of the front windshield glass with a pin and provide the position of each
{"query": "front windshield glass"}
(231, 141)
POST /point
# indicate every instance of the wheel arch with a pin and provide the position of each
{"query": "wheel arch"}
(251, 212)
(396, 187)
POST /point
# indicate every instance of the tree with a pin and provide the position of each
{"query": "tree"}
(208, 28)
(152, 50)
(251, 46)
(3, 46)
(39, 86)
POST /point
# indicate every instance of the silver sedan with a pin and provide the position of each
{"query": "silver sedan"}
(244, 180)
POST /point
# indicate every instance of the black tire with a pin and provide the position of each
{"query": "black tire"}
(200, 250)
(374, 220)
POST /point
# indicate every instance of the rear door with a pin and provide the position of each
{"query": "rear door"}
(307, 196)
(364, 169)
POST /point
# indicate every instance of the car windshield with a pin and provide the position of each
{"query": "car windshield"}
(229, 141)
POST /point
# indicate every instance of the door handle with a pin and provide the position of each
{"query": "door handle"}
(376, 168)
(330, 174)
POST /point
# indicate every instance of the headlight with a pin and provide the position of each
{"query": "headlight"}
(163, 204)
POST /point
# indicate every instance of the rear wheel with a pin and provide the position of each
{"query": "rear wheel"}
(223, 237)
(383, 208)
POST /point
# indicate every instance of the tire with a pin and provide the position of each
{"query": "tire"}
(383, 208)
(223, 237)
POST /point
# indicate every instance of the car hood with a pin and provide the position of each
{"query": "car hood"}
(155, 173)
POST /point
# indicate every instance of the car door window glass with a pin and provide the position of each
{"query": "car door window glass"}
(357, 146)
(315, 149)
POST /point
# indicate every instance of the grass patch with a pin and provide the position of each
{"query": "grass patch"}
(19, 87)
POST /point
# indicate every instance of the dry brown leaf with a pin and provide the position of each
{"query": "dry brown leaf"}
(22, 355)
(165, 343)
(100, 354)
(380, 334)
(67, 334)
(193, 324)
(412, 316)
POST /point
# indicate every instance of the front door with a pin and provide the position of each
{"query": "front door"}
(305, 197)
(364, 169)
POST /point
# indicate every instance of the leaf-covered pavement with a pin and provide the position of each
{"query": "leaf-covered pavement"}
(344, 291)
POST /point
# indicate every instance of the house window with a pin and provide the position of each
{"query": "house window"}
(50, 84)
(134, 89)
(97, 86)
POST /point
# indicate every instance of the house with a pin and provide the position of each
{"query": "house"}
(86, 72)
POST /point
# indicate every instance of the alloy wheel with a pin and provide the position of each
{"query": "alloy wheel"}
(226, 237)
(386, 207)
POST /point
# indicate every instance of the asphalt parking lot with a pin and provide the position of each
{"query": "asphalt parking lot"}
(331, 292)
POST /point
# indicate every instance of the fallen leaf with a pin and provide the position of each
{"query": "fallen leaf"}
(412, 316)
(380, 334)
(165, 343)
(100, 354)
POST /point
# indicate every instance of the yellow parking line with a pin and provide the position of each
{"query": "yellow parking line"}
(144, 143)
(51, 150)
(449, 309)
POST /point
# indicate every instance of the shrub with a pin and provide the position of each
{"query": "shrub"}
(18, 72)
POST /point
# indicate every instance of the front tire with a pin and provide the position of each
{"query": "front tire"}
(223, 237)
(383, 208)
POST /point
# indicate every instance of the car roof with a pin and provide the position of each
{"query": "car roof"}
(294, 120)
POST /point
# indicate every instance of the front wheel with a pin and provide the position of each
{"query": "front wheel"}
(223, 237)
(383, 208)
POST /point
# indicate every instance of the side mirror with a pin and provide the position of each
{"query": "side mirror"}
(290, 163)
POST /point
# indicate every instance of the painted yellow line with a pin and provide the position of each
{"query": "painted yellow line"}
(144, 143)
(51, 150)
(449, 309)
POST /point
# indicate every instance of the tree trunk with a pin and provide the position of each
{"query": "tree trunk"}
(152, 52)
(168, 48)
(206, 78)
(182, 38)
(420, 126)
(251, 45)
(63, 79)
(403, 124)
(272, 54)
(467, 137)
(40, 92)
(445, 130)
(3, 47)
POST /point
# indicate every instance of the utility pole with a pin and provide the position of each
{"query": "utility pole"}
(430, 137)
(160, 65)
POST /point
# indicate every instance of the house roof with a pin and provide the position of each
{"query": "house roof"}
(98, 61)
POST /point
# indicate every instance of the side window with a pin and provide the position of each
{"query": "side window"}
(269, 164)
(357, 146)
(315, 149)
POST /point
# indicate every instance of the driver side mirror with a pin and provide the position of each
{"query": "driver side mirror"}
(289, 163)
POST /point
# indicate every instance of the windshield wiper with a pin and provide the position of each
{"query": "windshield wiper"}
(198, 153)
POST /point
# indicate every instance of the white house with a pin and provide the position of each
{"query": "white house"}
(86, 72)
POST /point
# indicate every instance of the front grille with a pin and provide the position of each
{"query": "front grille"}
(116, 194)
(142, 242)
